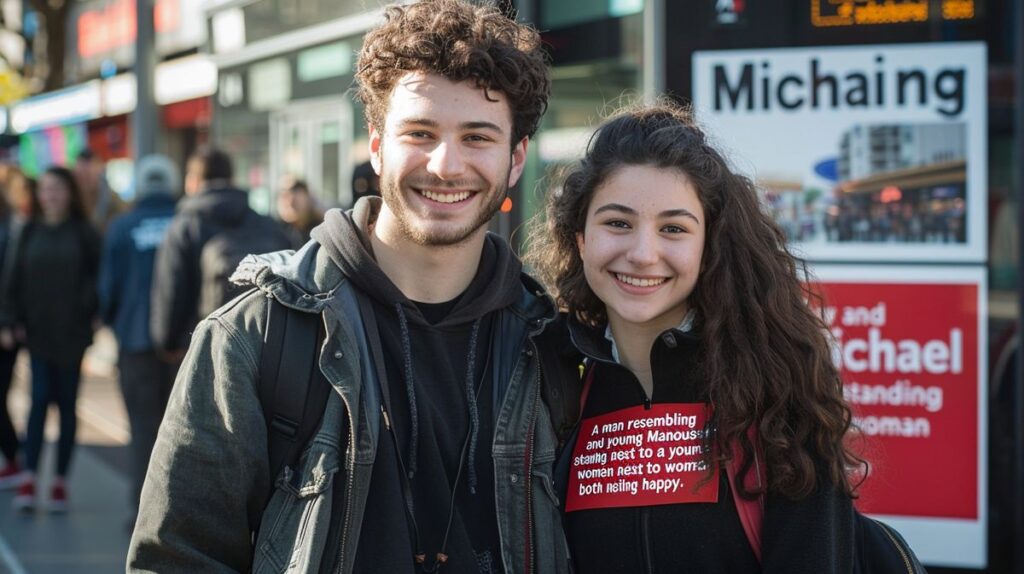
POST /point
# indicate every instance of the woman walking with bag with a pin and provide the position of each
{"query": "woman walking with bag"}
(713, 422)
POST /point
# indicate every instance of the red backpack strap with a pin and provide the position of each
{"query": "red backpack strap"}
(588, 379)
(751, 511)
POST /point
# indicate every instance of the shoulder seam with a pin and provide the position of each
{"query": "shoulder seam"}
(237, 339)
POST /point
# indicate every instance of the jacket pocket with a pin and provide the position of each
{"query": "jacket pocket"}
(295, 523)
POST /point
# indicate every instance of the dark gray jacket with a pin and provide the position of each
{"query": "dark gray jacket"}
(209, 475)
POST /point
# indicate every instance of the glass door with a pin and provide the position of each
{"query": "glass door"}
(311, 140)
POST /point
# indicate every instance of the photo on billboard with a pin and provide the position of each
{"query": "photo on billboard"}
(911, 345)
(868, 153)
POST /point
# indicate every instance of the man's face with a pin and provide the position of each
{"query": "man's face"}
(193, 177)
(445, 158)
(292, 205)
(87, 172)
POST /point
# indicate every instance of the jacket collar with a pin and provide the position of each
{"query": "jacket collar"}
(307, 279)
(596, 344)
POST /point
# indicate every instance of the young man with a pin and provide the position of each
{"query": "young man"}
(126, 277)
(435, 447)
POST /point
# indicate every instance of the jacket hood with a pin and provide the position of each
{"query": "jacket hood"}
(225, 205)
(307, 279)
(343, 236)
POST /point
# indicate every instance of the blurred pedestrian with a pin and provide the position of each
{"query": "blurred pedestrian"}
(365, 181)
(101, 204)
(53, 296)
(298, 211)
(212, 231)
(126, 274)
(15, 188)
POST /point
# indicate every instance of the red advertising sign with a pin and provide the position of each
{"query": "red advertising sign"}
(909, 359)
(641, 457)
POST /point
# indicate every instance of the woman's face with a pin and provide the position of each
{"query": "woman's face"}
(642, 244)
(54, 198)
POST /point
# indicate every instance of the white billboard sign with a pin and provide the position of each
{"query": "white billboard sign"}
(866, 153)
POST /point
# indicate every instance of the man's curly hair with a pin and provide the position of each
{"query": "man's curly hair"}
(460, 41)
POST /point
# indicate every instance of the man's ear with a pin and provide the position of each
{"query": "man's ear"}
(518, 161)
(375, 149)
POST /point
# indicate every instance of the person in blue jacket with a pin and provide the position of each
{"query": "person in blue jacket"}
(126, 275)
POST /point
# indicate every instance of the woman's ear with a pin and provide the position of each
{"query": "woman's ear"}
(580, 242)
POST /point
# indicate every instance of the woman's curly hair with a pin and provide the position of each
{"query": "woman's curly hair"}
(460, 41)
(768, 363)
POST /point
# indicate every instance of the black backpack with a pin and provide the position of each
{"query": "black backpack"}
(221, 254)
(293, 391)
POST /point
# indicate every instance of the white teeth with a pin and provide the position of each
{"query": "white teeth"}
(445, 197)
(637, 282)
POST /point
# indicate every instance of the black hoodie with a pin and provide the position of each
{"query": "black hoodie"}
(436, 357)
(177, 277)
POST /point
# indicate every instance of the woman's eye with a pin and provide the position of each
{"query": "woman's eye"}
(673, 229)
(618, 224)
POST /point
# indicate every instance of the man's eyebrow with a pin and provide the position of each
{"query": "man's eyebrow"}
(482, 125)
(427, 122)
(630, 211)
(417, 122)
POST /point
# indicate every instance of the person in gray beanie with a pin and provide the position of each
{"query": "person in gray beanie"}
(126, 276)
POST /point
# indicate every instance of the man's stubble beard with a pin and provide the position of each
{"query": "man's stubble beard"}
(391, 192)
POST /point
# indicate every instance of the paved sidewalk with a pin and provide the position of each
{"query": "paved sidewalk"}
(93, 536)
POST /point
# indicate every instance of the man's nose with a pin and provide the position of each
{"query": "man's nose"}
(446, 161)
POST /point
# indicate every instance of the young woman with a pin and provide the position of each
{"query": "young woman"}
(53, 291)
(705, 365)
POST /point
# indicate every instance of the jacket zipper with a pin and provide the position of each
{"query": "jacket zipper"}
(899, 547)
(645, 536)
(528, 471)
(351, 480)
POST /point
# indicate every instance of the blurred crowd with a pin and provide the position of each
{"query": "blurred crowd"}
(74, 256)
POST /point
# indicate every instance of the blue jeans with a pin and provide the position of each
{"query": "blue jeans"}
(52, 383)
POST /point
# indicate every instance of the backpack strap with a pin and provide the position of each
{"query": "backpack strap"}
(293, 391)
(751, 511)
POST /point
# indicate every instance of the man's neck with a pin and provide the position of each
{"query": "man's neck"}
(424, 273)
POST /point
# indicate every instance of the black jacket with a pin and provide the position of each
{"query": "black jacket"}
(813, 535)
(177, 276)
(52, 291)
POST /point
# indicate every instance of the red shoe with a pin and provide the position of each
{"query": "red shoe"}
(58, 497)
(25, 499)
(10, 476)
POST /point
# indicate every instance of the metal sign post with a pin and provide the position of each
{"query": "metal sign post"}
(144, 124)
(1018, 475)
